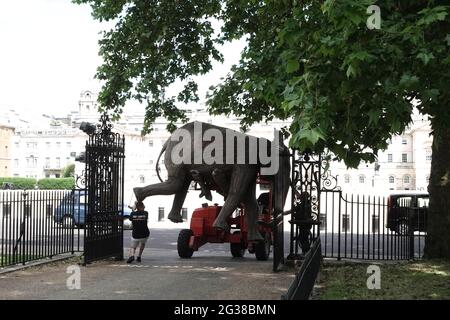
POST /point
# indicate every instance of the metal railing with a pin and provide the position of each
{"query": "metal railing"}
(371, 228)
(37, 224)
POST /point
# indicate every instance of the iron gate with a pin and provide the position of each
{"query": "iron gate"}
(361, 227)
(349, 226)
(306, 182)
(105, 154)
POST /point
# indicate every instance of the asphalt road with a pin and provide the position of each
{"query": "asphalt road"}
(210, 274)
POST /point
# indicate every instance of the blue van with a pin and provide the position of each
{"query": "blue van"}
(68, 213)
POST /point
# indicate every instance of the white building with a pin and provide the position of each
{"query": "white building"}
(42, 146)
(404, 165)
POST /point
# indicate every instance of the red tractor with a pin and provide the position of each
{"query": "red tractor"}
(202, 231)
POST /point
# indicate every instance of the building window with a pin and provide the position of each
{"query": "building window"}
(345, 222)
(58, 163)
(47, 163)
(407, 179)
(150, 143)
(160, 214)
(184, 214)
(323, 221)
(428, 179)
(390, 157)
(428, 155)
(362, 179)
(404, 157)
(69, 145)
(58, 144)
(141, 179)
(346, 178)
(31, 162)
(16, 163)
(404, 141)
(48, 144)
(375, 223)
(6, 209)
(391, 179)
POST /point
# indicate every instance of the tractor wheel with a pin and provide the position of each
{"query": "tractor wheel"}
(262, 248)
(237, 249)
(184, 251)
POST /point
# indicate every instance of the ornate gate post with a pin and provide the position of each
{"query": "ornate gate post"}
(104, 177)
(305, 200)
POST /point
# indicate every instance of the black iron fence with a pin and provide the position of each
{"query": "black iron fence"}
(37, 224)
(372, 227)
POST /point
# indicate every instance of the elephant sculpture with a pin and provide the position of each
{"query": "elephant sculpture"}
(224, 160)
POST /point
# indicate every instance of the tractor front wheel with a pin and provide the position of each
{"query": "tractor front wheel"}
(184, 251)
(237, 249)
(262, 248)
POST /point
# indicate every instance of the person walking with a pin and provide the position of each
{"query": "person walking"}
(140, 233)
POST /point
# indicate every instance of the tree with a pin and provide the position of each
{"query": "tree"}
(68, 171)
(345, 88)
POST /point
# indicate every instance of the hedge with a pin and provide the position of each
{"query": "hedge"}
(56, 183)
(18, 183)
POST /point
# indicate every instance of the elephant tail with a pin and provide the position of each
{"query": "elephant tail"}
(159, 157)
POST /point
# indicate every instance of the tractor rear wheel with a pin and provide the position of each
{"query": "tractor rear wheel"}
(184, 251)
(237, 249)
(262, 248)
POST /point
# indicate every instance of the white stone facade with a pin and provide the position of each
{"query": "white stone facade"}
(42, 146)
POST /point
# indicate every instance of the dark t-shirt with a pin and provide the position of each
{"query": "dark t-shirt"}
(139, 220)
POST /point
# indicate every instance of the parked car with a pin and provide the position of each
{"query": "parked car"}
(407, 209)
(68, 214)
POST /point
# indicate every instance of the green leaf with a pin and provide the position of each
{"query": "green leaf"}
(425, 57)
(292, 66)
(408, 81)
(311, 135)
(374, 116)
(351, 72)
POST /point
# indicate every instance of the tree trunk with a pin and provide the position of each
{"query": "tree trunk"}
(437, 244)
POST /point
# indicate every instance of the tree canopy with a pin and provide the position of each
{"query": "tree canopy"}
(342, 86)
(345, 87)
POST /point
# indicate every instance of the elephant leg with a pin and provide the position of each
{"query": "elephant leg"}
(178, 201)
(251, 214)
(222, 181)
(172, 185)
(241, 178)
(199, 179)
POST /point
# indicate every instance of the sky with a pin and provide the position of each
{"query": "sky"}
(49, 54)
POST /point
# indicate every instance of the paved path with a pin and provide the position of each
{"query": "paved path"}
(210, 274)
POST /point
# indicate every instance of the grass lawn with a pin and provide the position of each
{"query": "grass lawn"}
(6, 260)
(409, 280)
